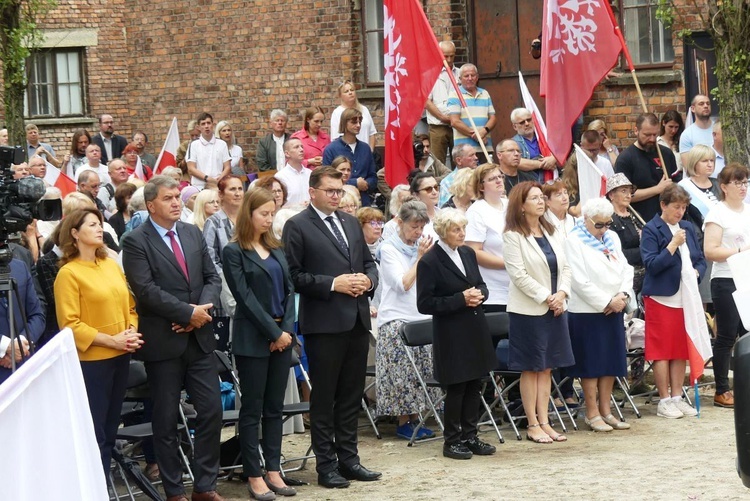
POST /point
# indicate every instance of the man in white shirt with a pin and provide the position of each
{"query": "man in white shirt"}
(700, 131)
(93, 162)
(118, 174)
(208, 159)
(438, 116)
(591, 143)
(294, 175)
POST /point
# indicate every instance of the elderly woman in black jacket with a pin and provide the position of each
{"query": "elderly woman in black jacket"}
(451, 289)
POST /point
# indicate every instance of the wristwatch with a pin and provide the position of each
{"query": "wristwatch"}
(205, 178)
(627, 296)
(487, 129)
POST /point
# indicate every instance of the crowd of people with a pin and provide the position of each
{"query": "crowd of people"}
(314, 252)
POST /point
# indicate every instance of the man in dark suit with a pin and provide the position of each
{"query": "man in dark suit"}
(333, 271)
(110, 143)
(175, 284)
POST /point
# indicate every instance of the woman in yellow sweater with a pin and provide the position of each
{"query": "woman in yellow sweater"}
(93, 299)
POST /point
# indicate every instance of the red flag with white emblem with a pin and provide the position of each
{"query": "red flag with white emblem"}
(579, 47)
(413, 61)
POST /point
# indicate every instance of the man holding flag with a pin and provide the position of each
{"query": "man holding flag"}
(478, 104)
(532, 159)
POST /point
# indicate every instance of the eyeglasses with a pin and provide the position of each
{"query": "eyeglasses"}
(494, 179)
(740, 184)
(430, 189)
(524, 122)
(512, 151)
(331, 193)
(599, 226)
(356, 120)
(348, 207)
(377, 224)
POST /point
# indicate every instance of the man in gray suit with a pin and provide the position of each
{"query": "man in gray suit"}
(175, 285)
(334, 272)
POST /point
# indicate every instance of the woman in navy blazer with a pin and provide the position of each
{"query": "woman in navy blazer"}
(257, 273)
(674, 265)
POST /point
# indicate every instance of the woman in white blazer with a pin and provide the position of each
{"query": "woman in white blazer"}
(539, 286)
(602, 285)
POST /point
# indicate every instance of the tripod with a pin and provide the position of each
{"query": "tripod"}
(9, 294)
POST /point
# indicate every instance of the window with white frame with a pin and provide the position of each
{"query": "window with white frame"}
(648, 40)
(55, 84)
(372, 23)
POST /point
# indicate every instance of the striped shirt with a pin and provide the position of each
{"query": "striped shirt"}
(479, 106)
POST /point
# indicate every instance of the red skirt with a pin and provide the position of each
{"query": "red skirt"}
(666, 337)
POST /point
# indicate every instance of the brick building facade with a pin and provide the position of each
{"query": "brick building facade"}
(145, 62)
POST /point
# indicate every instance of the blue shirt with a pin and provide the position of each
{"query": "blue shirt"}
(363, 165)
(163, 234)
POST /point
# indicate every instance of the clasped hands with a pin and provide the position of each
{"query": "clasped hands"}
(556, 302)
(5, 361)
(198, 319)
(128, 340)
(354, 284)
(473, 297)
(616, 304)
(281, 344)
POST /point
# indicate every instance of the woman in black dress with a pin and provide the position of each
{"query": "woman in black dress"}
(451, 289)
(627, 223)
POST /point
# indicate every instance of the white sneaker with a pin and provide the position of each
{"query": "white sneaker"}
(685, 408)
(667, 409)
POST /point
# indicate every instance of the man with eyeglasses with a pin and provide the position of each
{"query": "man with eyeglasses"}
(463, 156)
(479, 105)
(509, 158)
(532, 159)
(294, 175)
(334, 273)
(641, 164)
(89, 184)
(364, 175)
(110, 144)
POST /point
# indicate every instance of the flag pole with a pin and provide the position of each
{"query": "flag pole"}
(631, 66)
(466, 108)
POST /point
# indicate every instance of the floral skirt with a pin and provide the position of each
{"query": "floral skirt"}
(397, 387)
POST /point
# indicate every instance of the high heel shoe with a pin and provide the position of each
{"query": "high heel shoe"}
(266, 496)
(281, 491)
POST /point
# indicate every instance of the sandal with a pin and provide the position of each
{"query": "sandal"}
(557, 437)
(597, 423)
(616, 423)
(546, 439)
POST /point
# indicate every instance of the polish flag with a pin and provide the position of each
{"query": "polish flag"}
(592, 183)
(539, 126)
(140, 172)
(168, 155)
(579, 47)
(57, 178)
(413, 61)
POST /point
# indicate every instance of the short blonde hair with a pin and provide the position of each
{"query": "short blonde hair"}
(597, 125)
(349, 199)
(76, 200)
(696, 154)
(462, 183)
(478, 178)
(447, 219)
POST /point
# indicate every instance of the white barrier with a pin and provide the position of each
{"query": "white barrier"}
(48, 448)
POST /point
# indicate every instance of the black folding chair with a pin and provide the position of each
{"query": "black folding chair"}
(413, 335)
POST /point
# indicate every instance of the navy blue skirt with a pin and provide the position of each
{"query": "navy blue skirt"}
(537, 343)
(598, 345)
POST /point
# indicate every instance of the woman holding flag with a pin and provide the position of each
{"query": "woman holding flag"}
(676, 329)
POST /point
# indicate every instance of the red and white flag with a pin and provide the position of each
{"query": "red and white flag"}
(539, 126)
(413, 61)
(592, 183)
(139, 171)
(57, 178)
(168, 155)
(579, 47)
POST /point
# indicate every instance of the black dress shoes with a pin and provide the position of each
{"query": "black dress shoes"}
(332, 480)
(457, 451)
(359, 472)
(479, 448)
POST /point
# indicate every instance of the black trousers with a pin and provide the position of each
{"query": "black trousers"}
(196, 371)
(462, 403)
(728, 327)
(338, 363)
(106, 382)
(263, 383)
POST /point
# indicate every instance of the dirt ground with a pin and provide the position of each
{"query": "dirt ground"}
(684, 459)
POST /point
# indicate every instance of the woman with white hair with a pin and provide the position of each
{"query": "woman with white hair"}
(452, 290)
(224, 132)
(602, 284)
